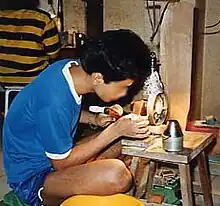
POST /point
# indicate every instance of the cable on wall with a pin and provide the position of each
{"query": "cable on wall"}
(211, 33)
(160, 21)
(154, 13)
(149, 16)
(213, 25)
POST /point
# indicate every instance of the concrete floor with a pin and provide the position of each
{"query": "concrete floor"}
(216, 198)
(215, 181)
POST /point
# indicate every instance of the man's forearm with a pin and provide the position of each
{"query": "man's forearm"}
(88, 117)
(83, 152)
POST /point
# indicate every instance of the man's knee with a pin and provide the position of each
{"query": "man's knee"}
(119, 176)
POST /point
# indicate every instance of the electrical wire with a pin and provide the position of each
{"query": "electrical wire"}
(160, 21)
(50, 3)
(154, 14)
(53, 10)
(149, 16)
(211, 33)
(213, 25)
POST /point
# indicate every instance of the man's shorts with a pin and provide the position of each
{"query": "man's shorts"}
(29, 190)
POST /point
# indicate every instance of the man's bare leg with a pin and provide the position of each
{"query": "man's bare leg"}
(114, 151)
(101, 177)
(111, 151)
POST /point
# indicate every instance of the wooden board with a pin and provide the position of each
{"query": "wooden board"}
(194, 143)
(145, 143)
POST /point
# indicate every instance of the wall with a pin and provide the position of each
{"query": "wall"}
(125, 14)
(175, 46)
(176, 57)
(132, 15)
(211, 72)
(74, 15)
(176, 53)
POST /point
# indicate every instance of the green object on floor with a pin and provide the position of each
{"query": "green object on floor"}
(12, 199)
(170, 191)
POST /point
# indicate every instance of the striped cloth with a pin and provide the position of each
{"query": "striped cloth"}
(28, 39)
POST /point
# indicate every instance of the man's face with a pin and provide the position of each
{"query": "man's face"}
(113, 90)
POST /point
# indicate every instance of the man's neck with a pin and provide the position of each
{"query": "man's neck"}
(82, 81)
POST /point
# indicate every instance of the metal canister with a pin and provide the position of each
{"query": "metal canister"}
(173, 137)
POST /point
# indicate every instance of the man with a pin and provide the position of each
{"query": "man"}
(41, 158)
(29, 41)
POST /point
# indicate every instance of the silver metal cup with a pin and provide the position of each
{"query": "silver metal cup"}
(173, 137)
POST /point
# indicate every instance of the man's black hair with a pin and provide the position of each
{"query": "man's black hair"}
(117, 55)
(18, 4)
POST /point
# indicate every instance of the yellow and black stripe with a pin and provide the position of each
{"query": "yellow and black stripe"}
(27, 40)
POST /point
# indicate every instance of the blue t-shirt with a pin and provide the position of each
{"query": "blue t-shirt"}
(41, 123)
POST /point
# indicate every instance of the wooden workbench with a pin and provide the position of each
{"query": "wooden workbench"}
(195, 145)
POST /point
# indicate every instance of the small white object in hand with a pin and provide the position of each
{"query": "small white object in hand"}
(133, 116)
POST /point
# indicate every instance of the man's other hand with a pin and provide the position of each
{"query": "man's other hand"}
(103, 120)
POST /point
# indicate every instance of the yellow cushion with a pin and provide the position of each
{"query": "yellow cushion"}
(111, 200)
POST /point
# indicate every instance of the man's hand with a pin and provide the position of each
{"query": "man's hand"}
(103, 120)
(132, 126)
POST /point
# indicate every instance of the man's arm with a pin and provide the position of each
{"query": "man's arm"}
(51, 39)
(125, 126)
(101, 120)
(88, 117)
(83, 152)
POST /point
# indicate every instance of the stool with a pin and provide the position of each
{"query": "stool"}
(8, 90)
(195, 144)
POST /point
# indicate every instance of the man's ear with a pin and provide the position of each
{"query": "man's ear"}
(97, 78)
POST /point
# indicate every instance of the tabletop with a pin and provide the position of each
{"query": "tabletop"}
(151, 148)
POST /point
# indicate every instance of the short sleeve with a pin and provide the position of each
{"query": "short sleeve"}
(54, 130)
(51, 38)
